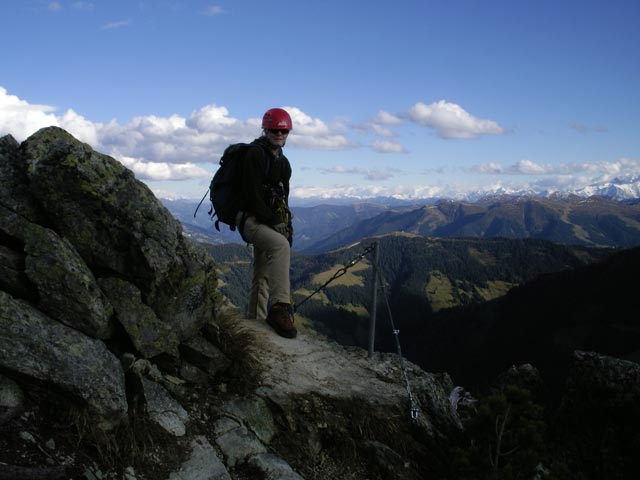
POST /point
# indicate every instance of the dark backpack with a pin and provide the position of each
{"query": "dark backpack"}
(223, 191)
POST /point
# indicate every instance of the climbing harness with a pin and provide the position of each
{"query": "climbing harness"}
(338, 274)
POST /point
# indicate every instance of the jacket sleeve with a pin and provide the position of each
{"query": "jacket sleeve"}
(252, 183)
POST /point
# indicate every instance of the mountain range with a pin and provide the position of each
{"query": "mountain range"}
(570, 219)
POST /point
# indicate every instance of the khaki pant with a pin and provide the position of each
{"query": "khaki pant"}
(271, 260)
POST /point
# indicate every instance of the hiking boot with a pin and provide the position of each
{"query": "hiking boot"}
(281, 320)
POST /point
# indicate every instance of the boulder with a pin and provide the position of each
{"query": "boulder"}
(238, 445)
(598, 419)
(150, 335)
(204, 355)
(47, 269)
(12, 277)
(14, 193)
(117, 225)
(203, 463)
(273, 467)
(66, 288)
(42, 349)
(254, 413)
(163, 409)
(603, 383)
(11, 395)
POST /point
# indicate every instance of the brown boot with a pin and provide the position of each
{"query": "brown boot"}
(281, 320)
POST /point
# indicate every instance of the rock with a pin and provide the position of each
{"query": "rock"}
(202, 464)
(329, 371)
(115, 210)
(201, 353)
(12, 277)
(117, 225)
(602, 382)
(193, 374)
(273, 467)
(254, 414)
(163, 409)
(387, 460)
(38, 347)
(599, 416)
(27, 437)
(14, 194)
(149, 334)
(238, 444)
(58, 279)
(11, 394)
(129, 473)
(67, 289)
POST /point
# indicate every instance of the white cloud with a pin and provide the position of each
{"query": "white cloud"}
(401, 192)
(83, 129)
(163, 147)
(115, 25)
(164, 171)
(381, 130)
(83, 5)
(379, 125)
(213, 10)
(368, 174)
(450, 120)
(580, 128)
(211, 118)
(384, 146)
(176, 147)
(623, 166)
(326, 142)
(54, 6)
(21, 119)
(303, 124)
(386, 118)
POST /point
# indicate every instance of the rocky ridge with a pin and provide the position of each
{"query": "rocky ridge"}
(108, 309)
(115, 361)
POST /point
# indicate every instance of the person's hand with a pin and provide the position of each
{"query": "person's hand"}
(282, 229)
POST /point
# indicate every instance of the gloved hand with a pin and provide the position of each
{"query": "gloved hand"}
(282, 229)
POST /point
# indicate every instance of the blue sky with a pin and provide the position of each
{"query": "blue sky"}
(405, 98)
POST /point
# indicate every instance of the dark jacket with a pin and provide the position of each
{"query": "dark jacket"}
(256, 179)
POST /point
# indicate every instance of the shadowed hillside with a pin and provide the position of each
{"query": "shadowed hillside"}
(593, 307)
(424, 275)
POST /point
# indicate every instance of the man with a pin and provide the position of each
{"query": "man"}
(264, 221)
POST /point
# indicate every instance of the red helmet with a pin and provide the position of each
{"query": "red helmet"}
(275, 118)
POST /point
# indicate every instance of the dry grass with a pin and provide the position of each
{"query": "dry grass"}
(139, 443)
(240, 346)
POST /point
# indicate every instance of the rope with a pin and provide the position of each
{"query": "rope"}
(414, 409)
(336, 275)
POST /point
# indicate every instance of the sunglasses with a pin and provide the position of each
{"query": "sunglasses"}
(283, 131)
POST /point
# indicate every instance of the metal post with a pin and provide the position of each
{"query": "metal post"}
(374, 298)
